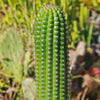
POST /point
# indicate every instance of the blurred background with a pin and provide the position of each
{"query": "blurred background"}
(17, 61)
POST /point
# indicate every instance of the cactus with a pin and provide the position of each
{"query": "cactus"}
(11, 51)
(51, 51)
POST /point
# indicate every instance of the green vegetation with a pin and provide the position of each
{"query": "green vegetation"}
(11, 51)
(51, 50)
(17, 57)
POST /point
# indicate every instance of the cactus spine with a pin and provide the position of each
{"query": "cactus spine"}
(51, 54)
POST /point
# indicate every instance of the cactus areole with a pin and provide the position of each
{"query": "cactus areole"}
(51, 51)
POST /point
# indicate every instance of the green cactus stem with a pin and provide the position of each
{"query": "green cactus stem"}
(51, 50)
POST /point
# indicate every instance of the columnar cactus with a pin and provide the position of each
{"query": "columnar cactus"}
(51, 50)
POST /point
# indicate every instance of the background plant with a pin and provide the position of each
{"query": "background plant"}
(11, 51)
